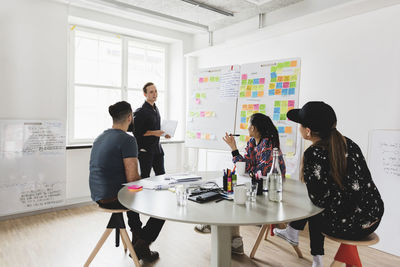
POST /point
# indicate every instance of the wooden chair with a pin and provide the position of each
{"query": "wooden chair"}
(265, 229)
(116, 222)
(348, 253)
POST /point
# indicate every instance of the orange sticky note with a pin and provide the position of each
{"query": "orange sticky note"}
(243, 126)
(280, 78)
(205, 79)
(278, 91)
(248, 93)
(288, 129)
(293, 63)
(244, 107)
(260, 93)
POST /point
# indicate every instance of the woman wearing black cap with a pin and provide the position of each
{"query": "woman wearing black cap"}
(337, 179)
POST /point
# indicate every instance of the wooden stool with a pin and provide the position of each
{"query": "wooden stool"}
(348, 253)
(116, 222)
(265, 229)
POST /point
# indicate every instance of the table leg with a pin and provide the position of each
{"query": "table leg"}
(221, 245)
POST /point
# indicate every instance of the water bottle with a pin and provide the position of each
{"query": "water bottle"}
(275, 179)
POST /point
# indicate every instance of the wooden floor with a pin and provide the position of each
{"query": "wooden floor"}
(66, 238)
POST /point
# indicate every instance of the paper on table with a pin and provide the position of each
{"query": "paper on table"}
(169, 127)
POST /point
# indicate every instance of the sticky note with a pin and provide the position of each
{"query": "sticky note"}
(247, 138)
(250, 107)
(281, 129)
(208, 114)
(272, 86)
(262, 107)
(242, 119)
(243, 114)
(263, 112)
(292, 84)
(198, 95)
(286, 85)
(296, 71)
(243, 126)
(277, 110)
(244, 107)
(284, 103)
(284, 91)
(293, 63)
(271, 92)
(254, 94)
(280, 65)
(260, 93)
(242, 94)
(205, 79)
(286, 78)
(273, 80)
(256, 106)
(291, 91)
(276, 117)
(284, 109)
(200, 80)
(290, 108)
(207, 136)
(202, 113)
(277, 104)
(242, 88)
(248, 88)
(248, 93)
(197, 100)
(256, 81)
(212, 79)
(249, 113)
(291, 103)
(273, 75)
(203, 95)
(278, 85)
(244, 82)
(289, 142)
(198, 135)
(278, 91)
(280, 78)
(244, 76)
(279, 70)
(217, 79)
(262, 80)
(282, 117)
(242, 138)
(273, 68)
(286, 64)
(288, 129)
(293, 78)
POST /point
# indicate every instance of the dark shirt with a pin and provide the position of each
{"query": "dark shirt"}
(347, 210)
(107, 169)
(147, 118)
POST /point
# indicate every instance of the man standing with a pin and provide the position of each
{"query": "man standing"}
(113, 161)
(147, 132)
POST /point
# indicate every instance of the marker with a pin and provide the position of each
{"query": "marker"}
(234, 134)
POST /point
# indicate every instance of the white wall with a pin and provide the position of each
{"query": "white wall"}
(352, 64)
(33, 71)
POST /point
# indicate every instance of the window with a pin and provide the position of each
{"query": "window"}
(106, 68)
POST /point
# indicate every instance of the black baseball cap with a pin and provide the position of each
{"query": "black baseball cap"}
(316, 115)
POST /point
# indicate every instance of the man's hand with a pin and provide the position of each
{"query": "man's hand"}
(167, 136)
(157, 133)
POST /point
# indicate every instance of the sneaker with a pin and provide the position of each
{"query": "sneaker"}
(317, 261)
(203, 228)
(290, 234)
(237, 245)
(143, 251)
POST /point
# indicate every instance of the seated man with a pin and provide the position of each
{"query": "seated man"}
(113, 161)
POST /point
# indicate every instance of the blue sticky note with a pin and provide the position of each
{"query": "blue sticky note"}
(281, 129)
(271, 92)
(284, 91)
(256, 81)
(276, 117)
(254, 94)
(273, 74)
(277, 110)
(278, 85)
(242, 119)
(291, 91)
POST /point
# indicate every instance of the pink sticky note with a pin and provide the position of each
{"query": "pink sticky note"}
(198, 135)
(256, 107)
(202, 113)
(291, 103)
(197, 100)
(244, 76)
(200, 80)
(286, 85)
(262, 80)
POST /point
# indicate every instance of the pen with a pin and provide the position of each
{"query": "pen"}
(218, 200)
(234, 134)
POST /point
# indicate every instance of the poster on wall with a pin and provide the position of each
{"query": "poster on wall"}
(33, 165)
(212, 106)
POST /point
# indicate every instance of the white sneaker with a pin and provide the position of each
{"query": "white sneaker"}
(203, 228)
(237, 245)
(290, 234)
(317, 261)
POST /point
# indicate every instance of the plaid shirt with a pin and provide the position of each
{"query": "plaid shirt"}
(259, 157)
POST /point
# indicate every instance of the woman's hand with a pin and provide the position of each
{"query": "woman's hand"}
(230, 140)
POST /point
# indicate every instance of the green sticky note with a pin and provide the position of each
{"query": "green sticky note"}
(292, 84)
(262, 107)
(249, 113)
(293, 78)
(273, 80)
(242, 94)
(280, 65)
(217, 79)
(277, 104)
(263, 112)
(250, 81)
(242, 88)
(273, 69)
(284, 103)
(212, 79)
(287, 64)
(197, 95)
(283, 117)
(244, 82)
(203, 95)
(243, 114)
(242, 138)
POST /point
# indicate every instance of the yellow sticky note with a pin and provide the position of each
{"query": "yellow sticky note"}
(289, 142)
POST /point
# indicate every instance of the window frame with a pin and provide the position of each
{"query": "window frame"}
(124, 76)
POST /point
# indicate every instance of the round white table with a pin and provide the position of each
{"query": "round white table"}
(223, 215)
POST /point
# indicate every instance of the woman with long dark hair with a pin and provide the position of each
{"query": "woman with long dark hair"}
(263, 138)
(337, 179)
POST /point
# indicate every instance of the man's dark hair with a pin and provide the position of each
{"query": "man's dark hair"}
(120, 111)
(147, 85)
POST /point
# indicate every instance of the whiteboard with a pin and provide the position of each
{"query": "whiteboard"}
(384, 164)
(212, 107)
(32, 164)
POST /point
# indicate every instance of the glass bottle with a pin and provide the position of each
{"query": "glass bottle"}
(275, 178)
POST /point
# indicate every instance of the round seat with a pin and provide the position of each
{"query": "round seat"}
(112, 210)
(369, 240)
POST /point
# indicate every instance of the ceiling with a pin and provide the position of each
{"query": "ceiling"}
(189, 13)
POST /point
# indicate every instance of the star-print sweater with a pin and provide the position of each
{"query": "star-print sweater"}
(259, 157)
(347, 210)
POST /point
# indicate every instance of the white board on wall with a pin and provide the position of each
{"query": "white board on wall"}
(384, 164)
(32, 164)
(212, 107)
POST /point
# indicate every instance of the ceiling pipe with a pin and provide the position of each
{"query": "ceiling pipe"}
(205, 6)
(261, 20)
(210, 38)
